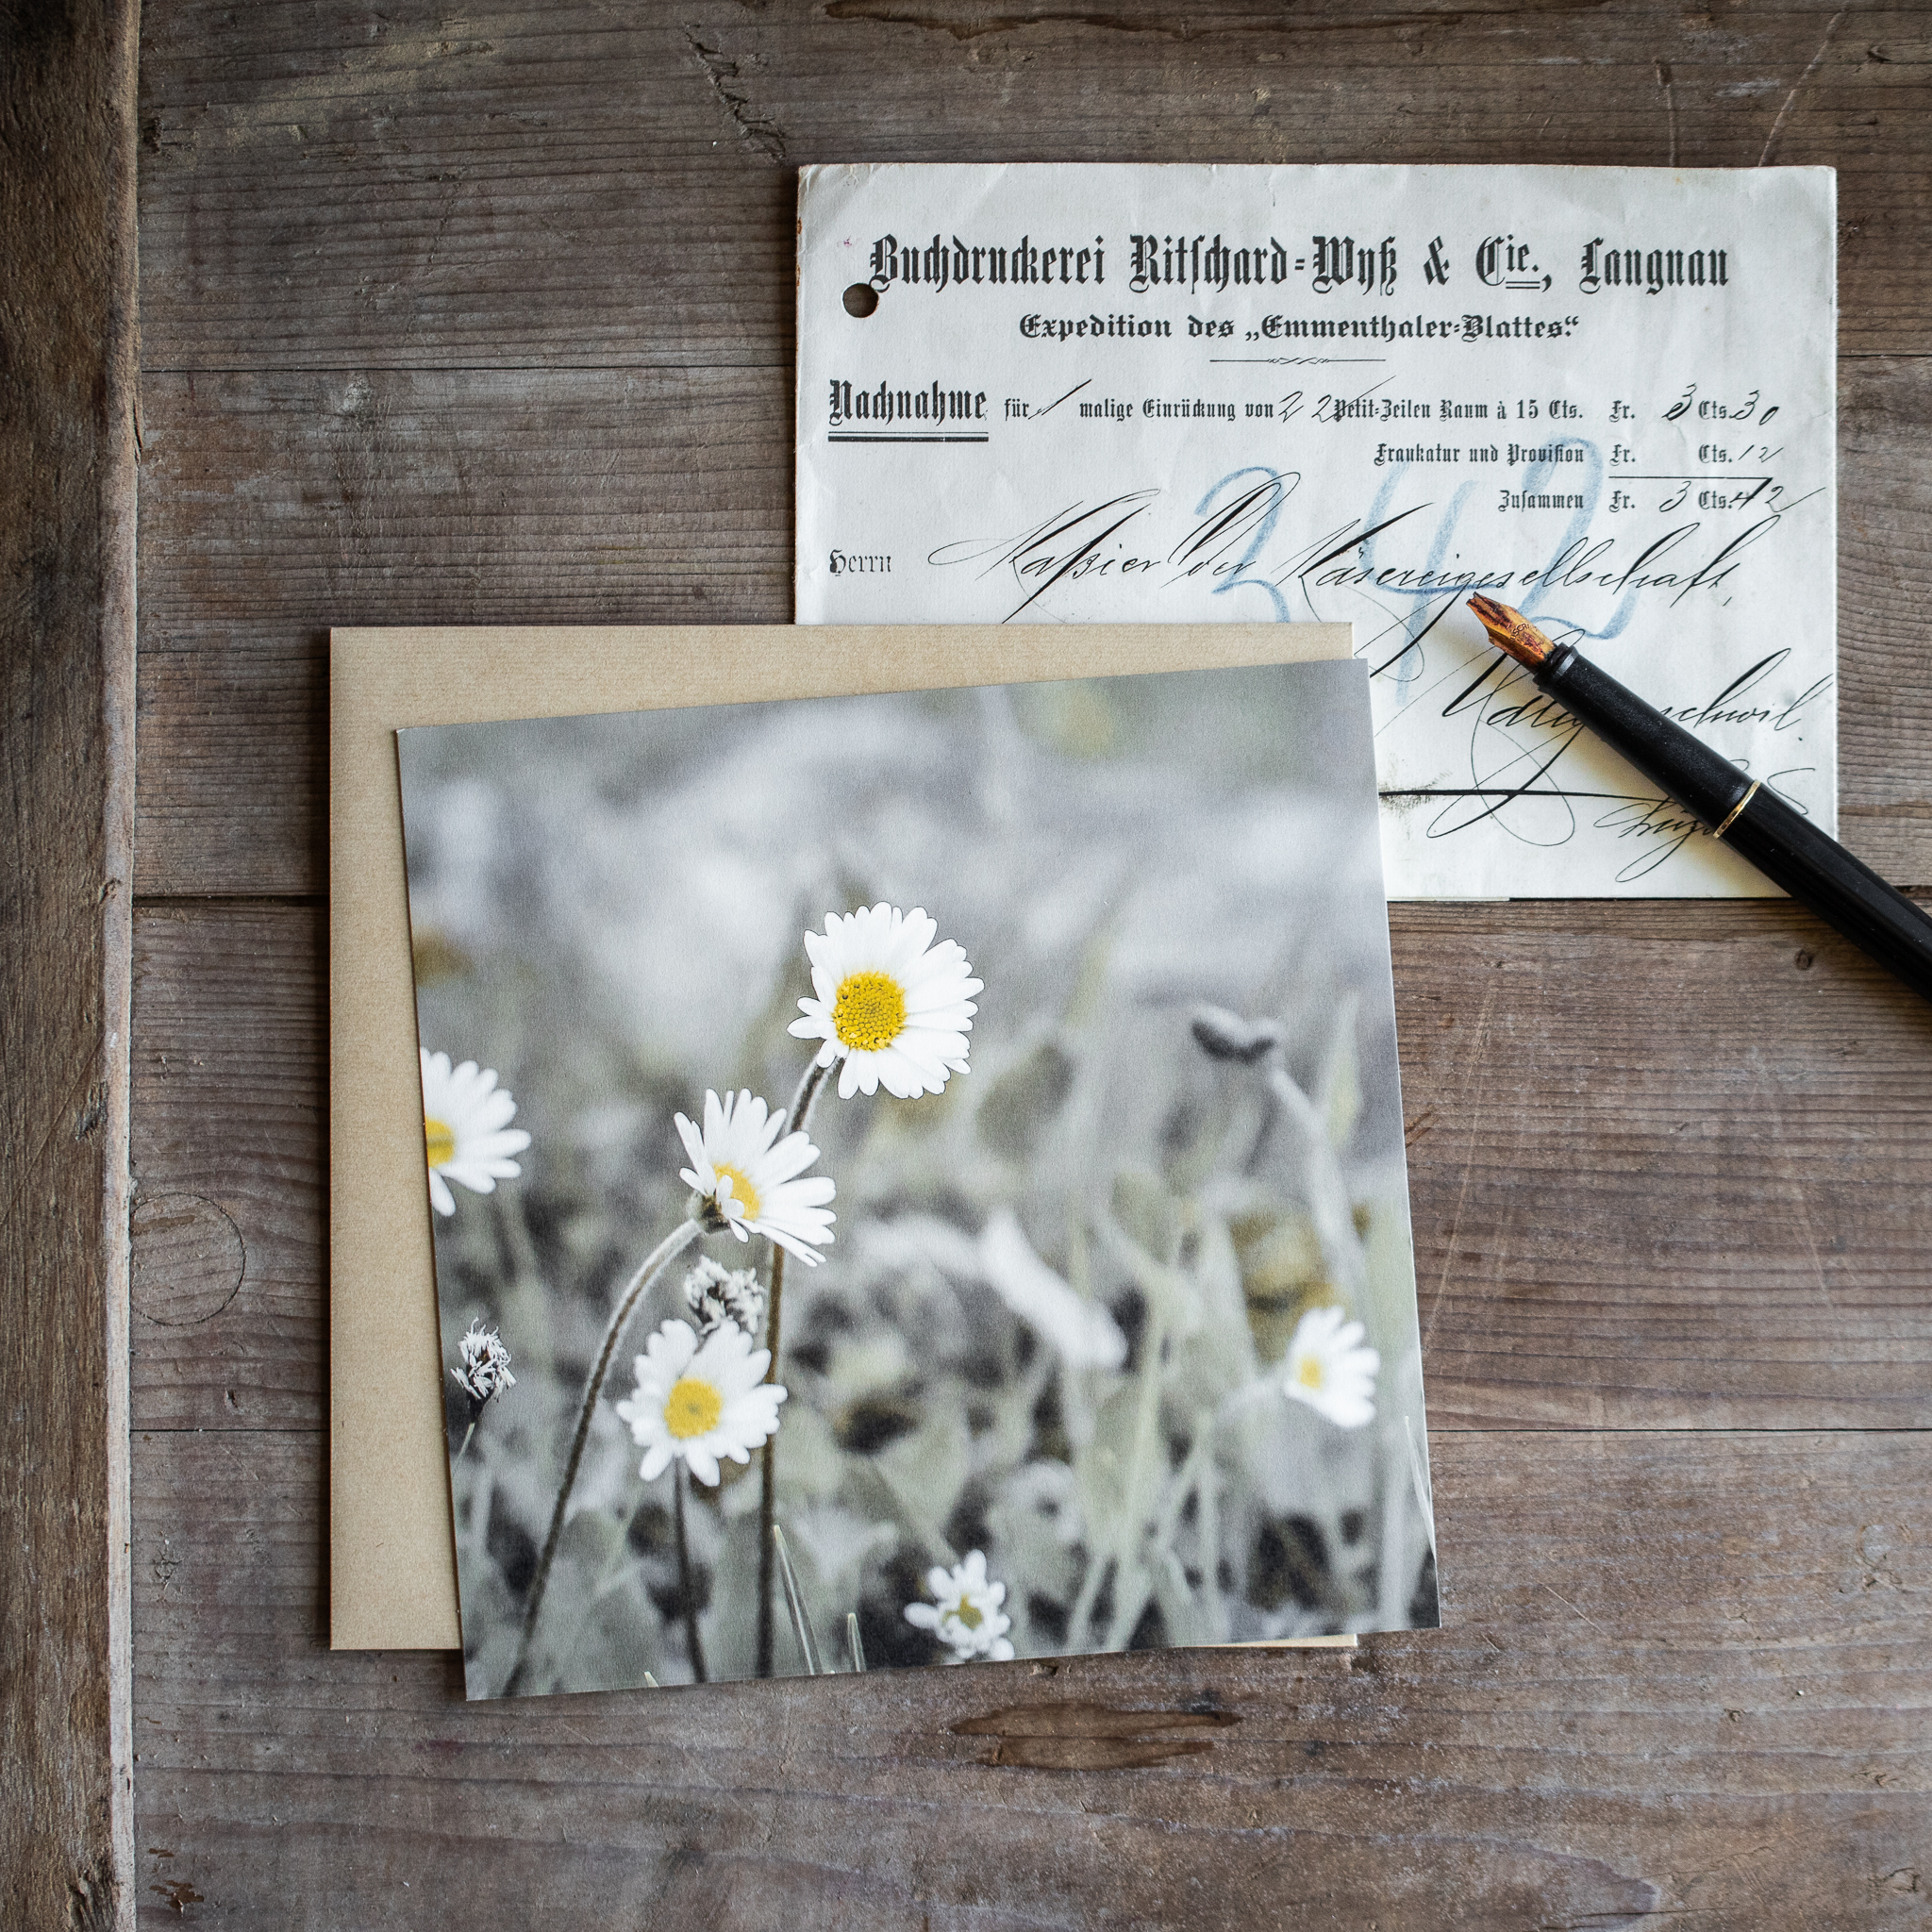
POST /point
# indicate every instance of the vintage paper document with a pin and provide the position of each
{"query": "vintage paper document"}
(1605, 396)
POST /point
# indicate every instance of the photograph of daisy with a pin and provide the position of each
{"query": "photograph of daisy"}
(917, 1179)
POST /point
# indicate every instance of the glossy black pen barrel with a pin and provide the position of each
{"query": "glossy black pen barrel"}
(1666, 754)
(1759, 827)
(1818, 871)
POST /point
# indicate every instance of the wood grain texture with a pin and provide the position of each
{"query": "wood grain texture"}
(1667, 1166)
(1683, 1682)
(523, 186)
(1071, 1735)
(1695, 1129)
(68, 359)
(277, 504)
(486, 315)
(1884, 591)
(229, 1160)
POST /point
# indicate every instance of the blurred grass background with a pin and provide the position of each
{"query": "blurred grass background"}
(609, 911)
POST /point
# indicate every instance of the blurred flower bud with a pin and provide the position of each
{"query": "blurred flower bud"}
(1225, 1035)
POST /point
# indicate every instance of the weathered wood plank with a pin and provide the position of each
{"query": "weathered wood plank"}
(1668, 1165)
(67, 459)
(580, 184)
(280, 505)
(1885, 589)
(229, 1159)
(276, 504)
(543, 256)
(1683, 1676)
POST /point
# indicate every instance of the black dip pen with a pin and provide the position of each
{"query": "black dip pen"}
(1750, 817)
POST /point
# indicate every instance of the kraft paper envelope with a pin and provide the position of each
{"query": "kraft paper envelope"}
(392, 1583)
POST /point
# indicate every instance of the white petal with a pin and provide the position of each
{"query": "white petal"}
(672, 1348)
(813, 1192)
(790, 1158)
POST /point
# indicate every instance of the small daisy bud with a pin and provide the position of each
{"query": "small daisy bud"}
(484, 1369)
(1225, 1035)
(717, 1294)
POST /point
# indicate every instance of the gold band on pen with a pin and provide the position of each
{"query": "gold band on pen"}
(1731, 816)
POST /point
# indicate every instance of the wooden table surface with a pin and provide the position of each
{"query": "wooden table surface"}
(483, 313)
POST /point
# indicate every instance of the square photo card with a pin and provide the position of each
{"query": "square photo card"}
(917, 1179)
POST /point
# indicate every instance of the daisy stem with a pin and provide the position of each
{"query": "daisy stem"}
(686, 1588)
(469, 1435)
(796, 1117)
(653, 1264)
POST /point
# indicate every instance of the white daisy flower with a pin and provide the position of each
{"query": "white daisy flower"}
(747, 1177)
(466, 1129)
(1330, 1370)
(892, 1006)
(484, 1370)
(698, 1403)
(967, 1615)
(716, 1295)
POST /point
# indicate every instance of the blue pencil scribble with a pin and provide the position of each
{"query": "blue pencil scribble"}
(1262, 532)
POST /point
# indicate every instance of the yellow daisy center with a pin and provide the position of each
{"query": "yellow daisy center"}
(970, 1614)
(693, 1408)
(440, 1141)
(1309, 1374)
(742, 1189)
(870, 1011)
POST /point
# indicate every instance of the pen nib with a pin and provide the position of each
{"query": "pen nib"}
(1511, 631)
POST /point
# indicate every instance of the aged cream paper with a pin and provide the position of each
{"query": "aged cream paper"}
(391, 1559)
(1606, 396)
